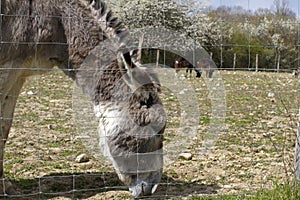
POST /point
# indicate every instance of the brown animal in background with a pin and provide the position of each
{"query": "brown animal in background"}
(296, 73)
(181, 63)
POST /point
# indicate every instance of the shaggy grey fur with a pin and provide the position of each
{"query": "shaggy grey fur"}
(37, 35)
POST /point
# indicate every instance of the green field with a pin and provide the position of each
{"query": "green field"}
(251, 159)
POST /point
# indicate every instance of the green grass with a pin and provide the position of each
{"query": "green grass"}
(279, 192)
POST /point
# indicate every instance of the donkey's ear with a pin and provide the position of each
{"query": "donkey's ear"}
(126, 67)
(98, 5)
(124, 61)
(139, 53)
(132, 74)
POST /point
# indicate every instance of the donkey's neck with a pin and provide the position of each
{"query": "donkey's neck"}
(94, 37)
(89, 25)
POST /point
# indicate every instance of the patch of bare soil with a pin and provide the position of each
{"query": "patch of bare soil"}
(254, 149)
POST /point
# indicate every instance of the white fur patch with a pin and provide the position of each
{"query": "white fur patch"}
(109, 120)
(97, 110)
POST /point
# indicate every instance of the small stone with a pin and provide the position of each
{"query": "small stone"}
(82, 137)
(30, 93)
(273, 100)
(271, 94)
(82, 158)
(185, 156)
(181, 92)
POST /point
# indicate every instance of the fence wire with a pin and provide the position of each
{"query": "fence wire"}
(257, 66)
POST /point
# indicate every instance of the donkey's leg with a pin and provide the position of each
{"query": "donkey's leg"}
(186, 72)
(8, 103)
(209, 73)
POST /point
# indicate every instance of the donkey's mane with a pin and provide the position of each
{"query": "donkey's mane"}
(106, 27)
(109, 24)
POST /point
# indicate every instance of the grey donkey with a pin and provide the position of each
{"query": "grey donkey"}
(83, 39)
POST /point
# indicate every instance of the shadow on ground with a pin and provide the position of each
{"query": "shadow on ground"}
(86, 185)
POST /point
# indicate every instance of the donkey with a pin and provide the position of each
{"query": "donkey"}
(206, 65)
(183, 63)
(84, 40)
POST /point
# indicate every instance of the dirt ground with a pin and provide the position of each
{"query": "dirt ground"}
(254, 149)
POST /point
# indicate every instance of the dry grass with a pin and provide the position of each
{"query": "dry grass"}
(255, 148)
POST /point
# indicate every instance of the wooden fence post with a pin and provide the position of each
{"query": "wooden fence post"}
(140, 47)
(297, 151)
(157, 57)
(234, 60)
(278, 63)
(256, 63)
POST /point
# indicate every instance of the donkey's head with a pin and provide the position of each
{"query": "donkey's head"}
(137, 152)
(132, 118)
(131, 115)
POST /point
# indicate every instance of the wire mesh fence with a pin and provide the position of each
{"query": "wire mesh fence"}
(246, 115)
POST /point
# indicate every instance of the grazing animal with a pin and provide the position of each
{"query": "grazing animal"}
(296, 73)
(206, 65)
(181, 63)
(83, 39)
